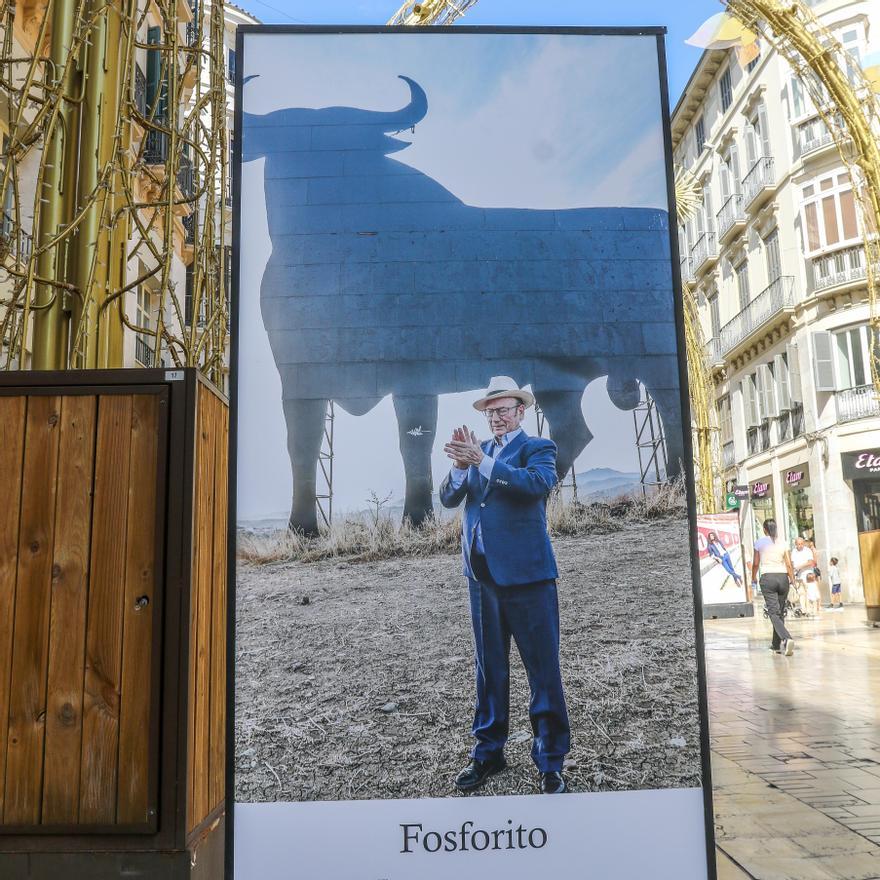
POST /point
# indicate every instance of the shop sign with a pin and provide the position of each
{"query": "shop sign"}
(797, 478)
(762, 489)
(731, 502)
(741, 493)
(859, 465)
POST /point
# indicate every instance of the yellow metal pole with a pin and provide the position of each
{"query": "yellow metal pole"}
(49, 317)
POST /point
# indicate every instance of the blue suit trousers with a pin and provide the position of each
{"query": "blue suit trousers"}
(530, 614)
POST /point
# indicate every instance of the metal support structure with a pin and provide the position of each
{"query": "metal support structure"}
(325, 467)
(650, 443)
(569, 481)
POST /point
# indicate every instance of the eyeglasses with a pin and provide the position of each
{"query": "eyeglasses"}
(501, 411)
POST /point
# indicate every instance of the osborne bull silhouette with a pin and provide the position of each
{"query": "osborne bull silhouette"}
(381, 281)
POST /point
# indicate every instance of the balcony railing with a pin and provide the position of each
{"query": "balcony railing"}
(845, 266)
(140, 90)
(728, 457)
(704, 251)
(813, 135)
(8, 242)
(189, 226)
(856, 403)
(687, 273)
(143, 351)
(760, 180)
(156, 147)
(776, 297)
(186, 177)
(713, 351)
(731, 214)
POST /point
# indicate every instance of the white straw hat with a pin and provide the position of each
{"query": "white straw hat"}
(503, 386)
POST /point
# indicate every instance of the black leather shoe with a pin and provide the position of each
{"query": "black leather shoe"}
(477, 772)
(553, 783)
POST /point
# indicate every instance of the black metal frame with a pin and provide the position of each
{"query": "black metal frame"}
(177, 388)
(659, 34)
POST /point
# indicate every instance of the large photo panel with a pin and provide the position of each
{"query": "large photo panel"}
(465, 615)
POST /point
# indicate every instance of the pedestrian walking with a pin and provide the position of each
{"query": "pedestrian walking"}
(773, 560)
(836, 589)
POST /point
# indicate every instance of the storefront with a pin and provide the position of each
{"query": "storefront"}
(762, 504)
(862, 469)
(798, 504)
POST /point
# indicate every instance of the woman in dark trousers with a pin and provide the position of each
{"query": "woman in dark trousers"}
(777, 576)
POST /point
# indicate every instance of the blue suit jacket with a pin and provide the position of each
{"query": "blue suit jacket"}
(511, 509)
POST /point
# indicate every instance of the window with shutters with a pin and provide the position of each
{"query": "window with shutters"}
(742, 284)
(772, 256)
(829, 214)
(700, 135)
(725, 89)
(715, 315)
(725, 419)
(852, 349)
(823, 360)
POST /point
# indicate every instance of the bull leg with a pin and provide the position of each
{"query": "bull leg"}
(668, 403)
(416, 427)
(568, 429)
(305, 431)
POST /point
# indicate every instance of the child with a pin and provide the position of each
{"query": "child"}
(813, 595)
(836, 592)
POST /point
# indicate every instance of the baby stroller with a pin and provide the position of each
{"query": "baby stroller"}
(792, 607)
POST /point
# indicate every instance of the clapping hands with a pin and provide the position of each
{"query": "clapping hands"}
(464, 448)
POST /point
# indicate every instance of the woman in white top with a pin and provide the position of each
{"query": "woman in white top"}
(777, 576)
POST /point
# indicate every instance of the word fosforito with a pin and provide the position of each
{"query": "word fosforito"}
(467, 839)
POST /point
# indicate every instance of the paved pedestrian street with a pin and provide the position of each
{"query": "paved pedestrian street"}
(796, 748)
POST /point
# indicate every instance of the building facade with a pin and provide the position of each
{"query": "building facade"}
(776, 259)
(143, 307)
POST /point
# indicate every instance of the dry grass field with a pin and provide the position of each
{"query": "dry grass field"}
(354, 659)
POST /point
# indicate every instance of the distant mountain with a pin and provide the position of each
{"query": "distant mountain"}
(601, 484)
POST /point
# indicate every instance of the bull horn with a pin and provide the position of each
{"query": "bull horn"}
(407, 117)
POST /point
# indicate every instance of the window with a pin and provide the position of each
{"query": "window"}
(725, 419)
(143, 319)
(726, 90)
(230, 66)
(742, 284)
(852, 353)
(754, 62)
(798, 99)
(700, 135)
(715, 316)
(829, 213)
(772, 256)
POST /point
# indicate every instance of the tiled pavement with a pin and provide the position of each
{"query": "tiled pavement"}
(796, 749)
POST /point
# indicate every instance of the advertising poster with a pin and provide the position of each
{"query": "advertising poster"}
(722, 572)
(466, 643)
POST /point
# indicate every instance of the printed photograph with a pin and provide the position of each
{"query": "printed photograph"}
(463, 548)
(722, 569)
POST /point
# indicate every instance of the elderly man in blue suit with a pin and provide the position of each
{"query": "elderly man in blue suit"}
(511, 571)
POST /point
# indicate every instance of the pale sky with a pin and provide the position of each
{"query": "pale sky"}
(526, 122)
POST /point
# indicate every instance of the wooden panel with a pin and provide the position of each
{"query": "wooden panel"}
(869, 551)
(100, 748)
(12, 429)
(27, 699)
(135, 761)
(73, 512)
(217, 750)
(200, 616)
